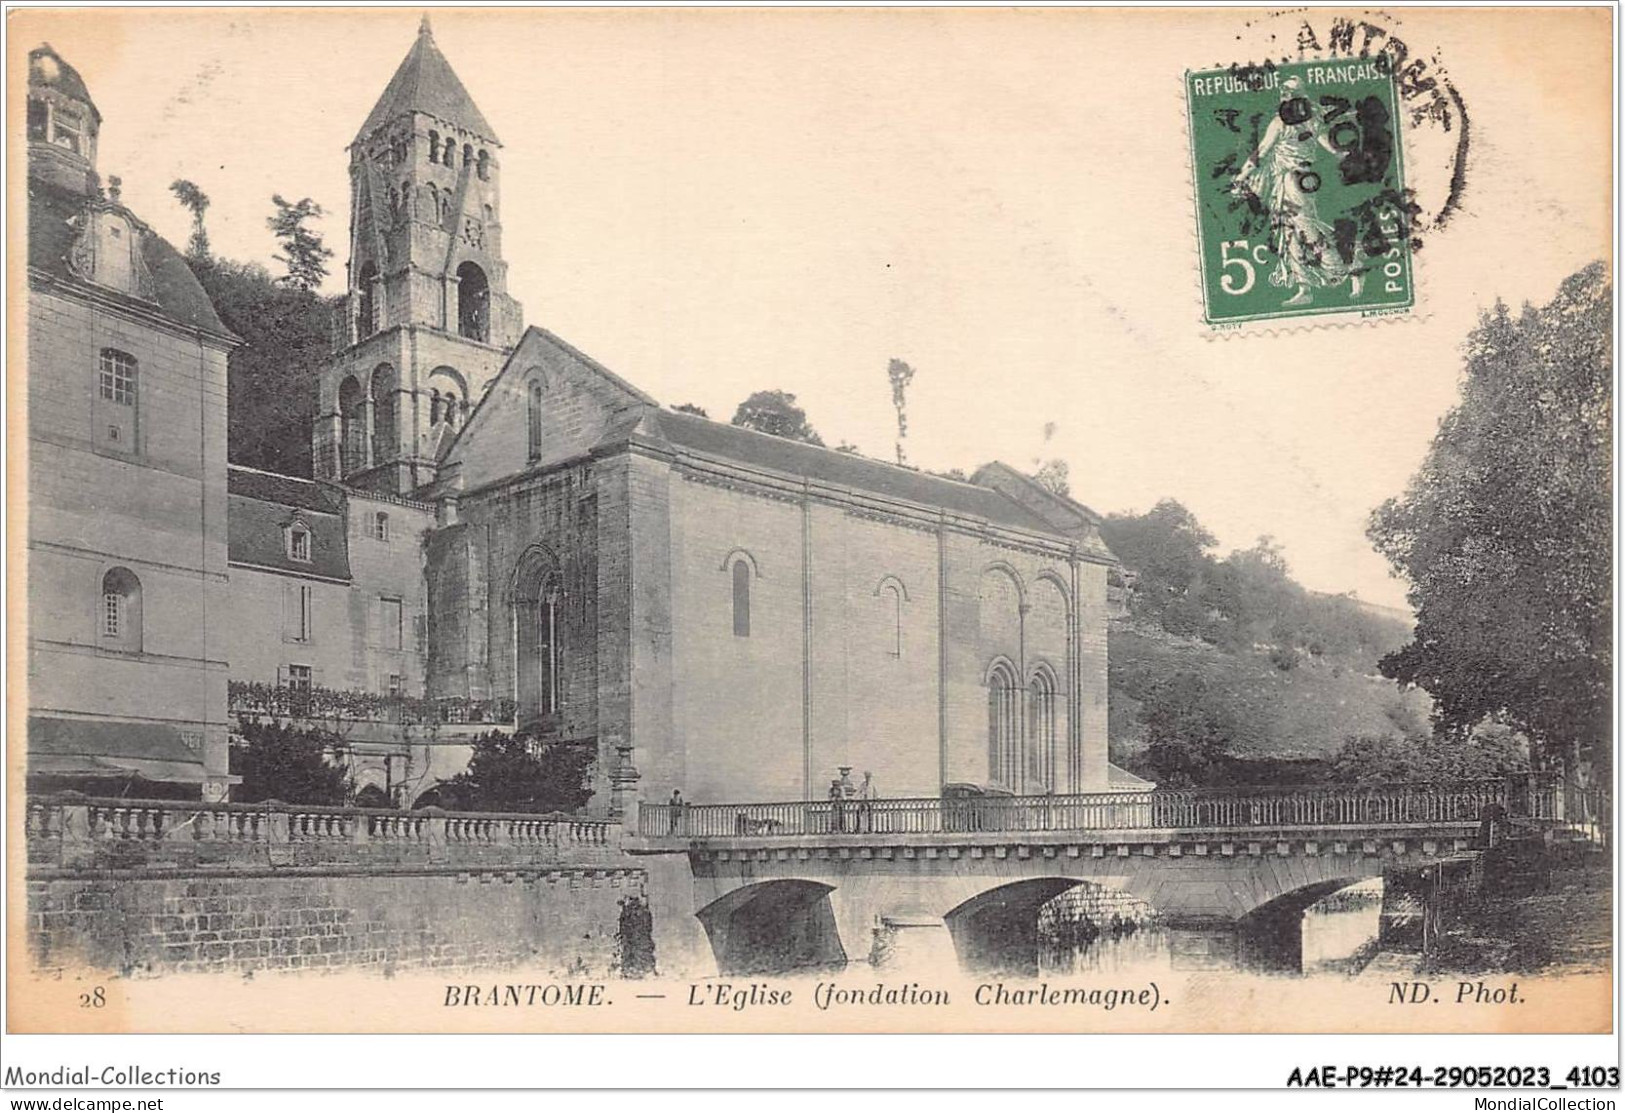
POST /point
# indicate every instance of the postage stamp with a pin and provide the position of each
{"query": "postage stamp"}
(1301, 203)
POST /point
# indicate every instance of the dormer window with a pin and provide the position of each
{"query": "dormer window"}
(299, 542)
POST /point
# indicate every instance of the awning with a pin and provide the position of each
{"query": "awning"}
(91, 748)
(171, 772)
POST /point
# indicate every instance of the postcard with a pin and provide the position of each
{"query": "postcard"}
(812, 520)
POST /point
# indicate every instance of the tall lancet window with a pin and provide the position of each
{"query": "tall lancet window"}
(741, 575)
(1003, 727)
(533, 417)
(1041, 732)
(539, 635)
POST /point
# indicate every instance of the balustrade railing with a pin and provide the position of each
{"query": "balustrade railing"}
(71, 830)
(1569, 809)
(1176, 809)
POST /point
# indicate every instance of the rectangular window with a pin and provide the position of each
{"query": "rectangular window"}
(299, 543)
(380, 527)
(68, 127)
(389, 621)
(112, 614)
(298, 612)
(299, 679)
(118, 372)
(395, 686)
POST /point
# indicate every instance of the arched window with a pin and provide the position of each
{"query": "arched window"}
(473, 303)
(468, 153)
(366, 282)
(120, 615)
(434, 146)
(1040, 732)
(485, 167)
(533, 414)
(434, 407)
(891, 596)
(741, 580)
(539, 637)
(353, 424)
(1003, 726)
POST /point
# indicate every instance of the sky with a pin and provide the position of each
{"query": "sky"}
(713, 202)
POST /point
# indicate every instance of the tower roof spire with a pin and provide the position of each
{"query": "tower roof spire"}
(425, 83)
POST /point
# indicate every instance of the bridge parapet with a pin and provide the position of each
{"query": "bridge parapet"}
(76, 832)
(1167, 813)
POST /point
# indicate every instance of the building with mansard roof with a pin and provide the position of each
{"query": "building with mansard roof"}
(126, 551)
(503, 525)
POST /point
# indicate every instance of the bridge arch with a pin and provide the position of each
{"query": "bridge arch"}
(1270, 936)
(999, 929)
(774, 927)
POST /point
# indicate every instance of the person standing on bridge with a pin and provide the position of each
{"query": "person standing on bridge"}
(837, 807)
(678, 808)
(866, 795)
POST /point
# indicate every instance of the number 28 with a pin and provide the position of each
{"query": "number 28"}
(1231, 283)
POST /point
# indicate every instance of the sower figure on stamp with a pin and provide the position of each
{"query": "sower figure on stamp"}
(1282, 176)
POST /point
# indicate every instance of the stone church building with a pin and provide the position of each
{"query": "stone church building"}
(498, 521)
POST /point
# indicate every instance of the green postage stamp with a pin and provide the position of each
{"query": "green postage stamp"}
(1301, 205)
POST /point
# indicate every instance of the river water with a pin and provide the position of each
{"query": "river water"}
(1338, 932)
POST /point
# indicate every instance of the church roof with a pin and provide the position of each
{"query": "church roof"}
(845, 469)
(54, 219)
(425, 83)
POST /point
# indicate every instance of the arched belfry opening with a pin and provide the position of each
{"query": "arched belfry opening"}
(385, 440)
(366, 286)
(473, 303)
(352, 425)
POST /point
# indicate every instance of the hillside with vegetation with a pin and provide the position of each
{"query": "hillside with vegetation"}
(1225, 670)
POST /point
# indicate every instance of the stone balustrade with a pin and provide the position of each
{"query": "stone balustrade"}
(72, 831)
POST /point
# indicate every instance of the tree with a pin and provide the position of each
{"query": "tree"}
(279, 761)
(271, 377)
(304, 254)
(1190, 732)
(1052, 475)
(1505, 531)
(1490, 752)
(690, 408)
(196, 202)
(775, 412)
(1167, 548)
(900, 374)
(517, 773)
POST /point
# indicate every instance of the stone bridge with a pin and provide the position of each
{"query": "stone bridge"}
(771, 887)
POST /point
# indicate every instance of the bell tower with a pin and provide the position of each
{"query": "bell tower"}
(427, 319)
